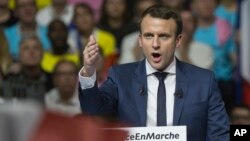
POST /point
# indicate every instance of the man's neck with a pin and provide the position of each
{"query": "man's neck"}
(170, 68)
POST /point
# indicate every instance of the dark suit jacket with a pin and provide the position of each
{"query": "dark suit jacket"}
(124, 95)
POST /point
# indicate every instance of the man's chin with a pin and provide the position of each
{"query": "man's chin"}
(157, 65)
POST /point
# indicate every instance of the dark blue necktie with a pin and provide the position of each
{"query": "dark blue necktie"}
(161, 99)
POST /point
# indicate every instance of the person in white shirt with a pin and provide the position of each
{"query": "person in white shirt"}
(63, 98)
(59, 9)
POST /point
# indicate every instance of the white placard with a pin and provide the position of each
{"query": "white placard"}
(166, 133)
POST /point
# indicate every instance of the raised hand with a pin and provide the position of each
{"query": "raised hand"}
(90, 57)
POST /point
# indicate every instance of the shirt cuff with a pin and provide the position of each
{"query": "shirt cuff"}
(86, 82)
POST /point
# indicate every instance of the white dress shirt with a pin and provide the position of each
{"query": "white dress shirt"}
(152, 84)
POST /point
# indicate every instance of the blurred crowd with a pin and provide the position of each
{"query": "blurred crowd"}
(41, 44)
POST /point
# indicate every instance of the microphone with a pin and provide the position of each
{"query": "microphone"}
(141, 90)
(178, 93)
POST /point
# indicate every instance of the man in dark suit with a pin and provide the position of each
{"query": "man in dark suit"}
(160, 90)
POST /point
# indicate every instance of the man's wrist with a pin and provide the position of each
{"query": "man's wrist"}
(86, 73)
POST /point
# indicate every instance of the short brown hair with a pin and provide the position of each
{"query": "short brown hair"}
(163, 12)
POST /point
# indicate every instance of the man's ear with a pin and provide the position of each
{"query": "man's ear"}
(178, 40)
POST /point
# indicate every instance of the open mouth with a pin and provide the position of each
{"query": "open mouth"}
(156, 57)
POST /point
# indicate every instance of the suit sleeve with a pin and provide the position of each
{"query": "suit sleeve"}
(218, 121)
(100, 101)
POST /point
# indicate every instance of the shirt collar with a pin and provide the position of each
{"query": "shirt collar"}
(171, 69)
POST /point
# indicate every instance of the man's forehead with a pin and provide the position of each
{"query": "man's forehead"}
(151, 18)
(158, 22)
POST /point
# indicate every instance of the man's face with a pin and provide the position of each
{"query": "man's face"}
(26, 10)
(158, 41)
(31, 52)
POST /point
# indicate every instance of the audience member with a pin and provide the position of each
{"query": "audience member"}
(194, 52)
(116, 18)
(240, 115)
(7, 16)
(59, 9)
(64, 97)
(140, 6)
(176, 4)
(60, 48)
(19, 121)
(217, 33)
(40, 3)
(26, 13)
(227, 11)
(85, 26)
(5, 59)
(43, 3)
(31, 82)
(94, 4)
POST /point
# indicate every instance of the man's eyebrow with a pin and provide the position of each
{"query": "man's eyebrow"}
(147, 33)
(164, 34)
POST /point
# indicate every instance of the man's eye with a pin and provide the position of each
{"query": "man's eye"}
(148, 36)
(163, 37)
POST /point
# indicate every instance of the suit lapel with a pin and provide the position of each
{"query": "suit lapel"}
(181, 90)
(140, 91)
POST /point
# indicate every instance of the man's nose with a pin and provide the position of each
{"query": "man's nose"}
(156, 43)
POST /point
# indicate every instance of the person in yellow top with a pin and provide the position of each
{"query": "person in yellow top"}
(50, 60)
(58, 34)
(84, 26)
(40, 3)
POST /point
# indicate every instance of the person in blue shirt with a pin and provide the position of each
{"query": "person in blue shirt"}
(217, 33)
(26, 12)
